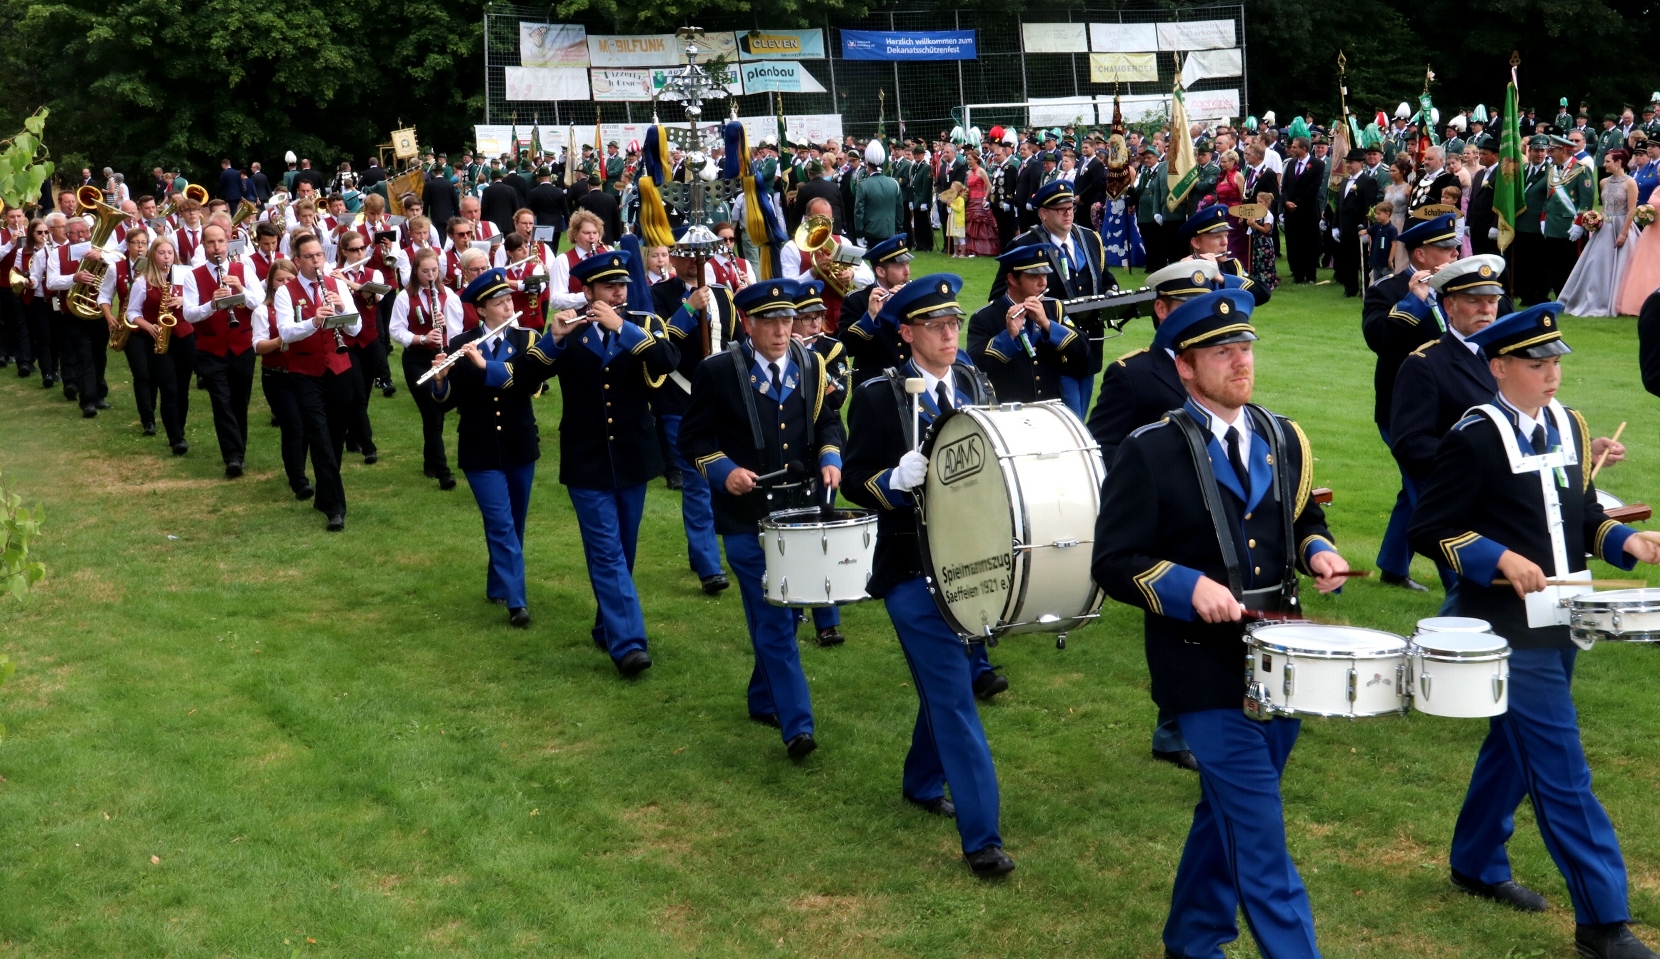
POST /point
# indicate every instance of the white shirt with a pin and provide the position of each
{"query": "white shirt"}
(1273, 161)
(252, 288)
(560, 296)
(291, 328)
(1219, 429)
(1526, 422)
(1065, 243)
(932, 383)
(449, 305)
(106, 289)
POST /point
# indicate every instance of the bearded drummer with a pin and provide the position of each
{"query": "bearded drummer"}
(948, 745)
(1197, 570)
(757, 414)
(1511, 526)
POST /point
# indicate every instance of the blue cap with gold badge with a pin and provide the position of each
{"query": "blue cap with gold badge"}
(768, 298)
(1436, 231)
(894, 250)
(809, 297)
(487, 285)
(1053, 194)
(1029, 258)
(1533, 333)
(608, 267)
(1209, 320)
(923, 299)
(1212, 219)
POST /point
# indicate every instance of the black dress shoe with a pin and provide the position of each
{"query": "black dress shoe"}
(800, 746)
(766, 719)
(71, 394)
(370, 459)
(274, 423)
(181, 447)
(714, 584)
(674, 480)
(24, 372)
(102, 404)
(939, 806)
(1613, 941)
(389, 391)
(337, 523)
(1404, 582)
(149, 429)
(1182, 758)
(446, 481)
(518, 617)
(990, 861)
(634, 663)
(233, 469)
(304, 493)
(429, 472)
(47, 381)
(88, 412)
(1513, 894)
(990, 684)
(831, 636)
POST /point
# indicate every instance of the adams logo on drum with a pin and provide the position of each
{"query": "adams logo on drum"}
(962, 459)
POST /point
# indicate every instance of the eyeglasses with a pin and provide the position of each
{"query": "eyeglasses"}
(950, 325)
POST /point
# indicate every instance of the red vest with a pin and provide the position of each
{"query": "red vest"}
(123, 288)
(314, 355)
(25, 256)
(832, 299)
(573, 256)
(187, 246)
(426, 311)
(276, 359)
(262, 266)
(66, 266)
(152, 310)
(216, 335)
(368, 306)
(452, 270)
(469, 317)
(531, 313)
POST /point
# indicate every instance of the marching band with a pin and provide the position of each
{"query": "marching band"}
(736, 373)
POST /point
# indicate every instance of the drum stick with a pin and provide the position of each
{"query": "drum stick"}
(1350, 573)
(1604, 457)
(1604, 583)
(915, 386)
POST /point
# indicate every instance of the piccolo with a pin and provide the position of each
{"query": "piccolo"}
(451, 359)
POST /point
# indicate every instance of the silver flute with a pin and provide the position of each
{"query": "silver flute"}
(451, 359)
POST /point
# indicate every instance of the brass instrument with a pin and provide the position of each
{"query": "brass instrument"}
(83, 297)
(165, 321)
(87, 199)
(197, 192)
(124, 327)
(18, 281)
(816, 236)
(245, 211)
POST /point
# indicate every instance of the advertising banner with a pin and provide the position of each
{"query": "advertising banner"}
(1197, 35)
(1123, 37)
(546, 83)
(908, 45)
(553, 44)
(620, 84)
(781, 45)
(1054, 38)
(782, 76)
(1203, 64)
(634, 50)
(1123, 68)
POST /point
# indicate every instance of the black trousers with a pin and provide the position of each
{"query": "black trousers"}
(183, 351)
(417, 360)
(11, 323)
(64, 366)
(922, 231)
(1527, 265)
(144, 386)
(1561, 255)
(87, 342)
(1006, 223)
(325, 405)
(1170, 237)
(359, 431)
(1480, 244)
(285, 408)
(229, 381)
(1302, 245)
(166, 381)
(1346, 258)
(1152, 242)
(34, 347)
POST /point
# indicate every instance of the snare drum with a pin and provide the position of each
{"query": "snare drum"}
(1458, 668)
(813, 561)
(1008, 519)
(1615, 615)
(1306, 669)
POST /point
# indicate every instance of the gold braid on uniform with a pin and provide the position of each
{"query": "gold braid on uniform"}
(823, 376)
(661, 331)
(1144, 581)
(1305, 479)
(1585, 461)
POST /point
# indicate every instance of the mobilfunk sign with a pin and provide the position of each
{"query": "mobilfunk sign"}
(908, 45)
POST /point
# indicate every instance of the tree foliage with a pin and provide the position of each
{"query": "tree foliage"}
(19, 527)
(23, 162)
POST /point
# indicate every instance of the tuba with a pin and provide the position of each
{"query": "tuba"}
(245, 211)
(197, 192)
(816, 237)
(87, 199)
(83, 297)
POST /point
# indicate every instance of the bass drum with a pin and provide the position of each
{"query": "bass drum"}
(1008, 519)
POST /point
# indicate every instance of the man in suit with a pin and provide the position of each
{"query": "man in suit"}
(1432, 179)
(1481, 223)
(1529, 270)
(1397, 317)
(603, 205)
(948, 745)
(516, 178)
(547, 202)
(820, 185)
(1303, 176)
(499, 202)
(1196, 573)
(878, 208)
(1091, 179)
(230, 183)
(1354, 207)
(1510, 506)
(756, 407)
(1005, 172)
(1149, 191)
(613, 168)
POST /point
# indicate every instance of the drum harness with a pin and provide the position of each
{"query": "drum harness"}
(1267, 424)
(980, 394)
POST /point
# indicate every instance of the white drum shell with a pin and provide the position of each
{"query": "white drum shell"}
(1333, 670)
(1459, 675)
(1009, 518)
(1616, 615)
(816, 563)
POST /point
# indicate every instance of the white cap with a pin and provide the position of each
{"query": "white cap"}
(874, 154)
(1403, 111)
(289, 157)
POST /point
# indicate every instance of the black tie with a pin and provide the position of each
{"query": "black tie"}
(1238, 461)
(941, 397)
(777, 382)
(1538, 437)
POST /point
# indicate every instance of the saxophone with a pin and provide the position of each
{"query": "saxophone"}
(123, 326)
(165, 321)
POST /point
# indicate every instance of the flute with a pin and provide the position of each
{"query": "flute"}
(451, 359)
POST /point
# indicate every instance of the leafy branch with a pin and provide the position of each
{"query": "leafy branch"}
(20, 527)
(24, 163)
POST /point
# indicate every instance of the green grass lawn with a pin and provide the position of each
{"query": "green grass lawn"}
(234, 735)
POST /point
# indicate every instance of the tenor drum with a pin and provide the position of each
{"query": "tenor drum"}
(1008, 519)
(1305, 669)
(813, 561)
(1459, 669)
(1616, 615)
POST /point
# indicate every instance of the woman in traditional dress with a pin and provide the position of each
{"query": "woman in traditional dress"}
(1594, 284)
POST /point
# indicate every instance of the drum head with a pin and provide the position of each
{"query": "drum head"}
(969, 532)
(1647, 595)
(1608, 500)
(1330, 641)
(1459, 645)
(1454, 624)
(813, 517)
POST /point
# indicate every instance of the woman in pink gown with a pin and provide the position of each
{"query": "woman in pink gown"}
(982, 227)
(1230, 189)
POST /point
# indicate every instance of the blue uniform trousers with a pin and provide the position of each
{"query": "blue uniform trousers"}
(1235, 855)
(503, 499)
(697, 508)
(1395, 553)
(1075, 393)
(948, 744)
(777, 686)
(1534, 750)
(610, 523)
(1167, 735)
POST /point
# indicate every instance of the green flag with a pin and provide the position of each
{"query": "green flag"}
(1182, 171)
(1508, 187)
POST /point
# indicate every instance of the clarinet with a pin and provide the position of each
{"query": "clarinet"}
(323, 294)
(219, 274)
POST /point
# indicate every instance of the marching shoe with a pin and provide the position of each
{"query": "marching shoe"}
(305, 492)
(1182, 758)
(24, 371)
(149, 429)
(370, 459)
(233, 469)
(88, 412)
(937, 807)
(1613, 941)
(990, 684)
(337, 523)
(102, 405)
(714, 584)
(634, 663)
(518, 617)
(674, 480)
(1513, 894)
(989, 862)
(446, 480)
(831, 636)
(181, 447)
(1404, 582)
(800, 746)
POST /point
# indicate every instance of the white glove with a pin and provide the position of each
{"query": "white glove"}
(911, 471)
(1576, 232)
(1158, 218)
(1492, 233)
(1334, 234)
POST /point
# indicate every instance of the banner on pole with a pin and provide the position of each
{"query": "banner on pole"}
(908, 45)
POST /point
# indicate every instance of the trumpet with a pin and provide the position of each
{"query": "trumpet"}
(451, 359)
